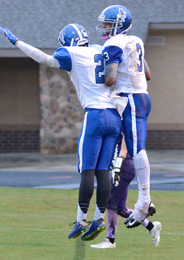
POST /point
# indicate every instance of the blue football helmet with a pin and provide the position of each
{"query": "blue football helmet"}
(120, 18)
(73, 35)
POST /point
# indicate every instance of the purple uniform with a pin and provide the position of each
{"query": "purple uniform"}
(118, 196)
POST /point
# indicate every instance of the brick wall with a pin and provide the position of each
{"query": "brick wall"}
(165, 139)
(19, 141)
(29, 141)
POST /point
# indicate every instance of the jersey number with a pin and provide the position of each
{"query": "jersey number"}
(99, 68)
(139, 49)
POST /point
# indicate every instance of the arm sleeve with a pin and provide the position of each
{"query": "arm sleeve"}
(111, 70)
(38, 55)
(64, 59)
(112, 54)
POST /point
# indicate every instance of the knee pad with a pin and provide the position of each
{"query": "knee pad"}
(142, 168)
(141, 160)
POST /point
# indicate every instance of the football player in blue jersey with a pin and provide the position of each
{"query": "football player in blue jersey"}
(124, 57)
(101, 125)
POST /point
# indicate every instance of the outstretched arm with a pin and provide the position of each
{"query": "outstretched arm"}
(34, 53)
(38, 55)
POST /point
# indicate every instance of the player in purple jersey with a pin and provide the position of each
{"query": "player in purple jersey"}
(125, 70)
(101, 126)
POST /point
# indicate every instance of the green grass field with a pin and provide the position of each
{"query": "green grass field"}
(34, 224)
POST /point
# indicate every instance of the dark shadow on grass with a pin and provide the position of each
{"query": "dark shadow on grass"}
(79, 250)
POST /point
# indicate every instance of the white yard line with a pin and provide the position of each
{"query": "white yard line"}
(60, 230)
(162, 233)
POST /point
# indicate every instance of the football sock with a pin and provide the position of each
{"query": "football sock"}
(150, 226)
(82, 211)
(145, 222)
(99, 212)
(112, 240)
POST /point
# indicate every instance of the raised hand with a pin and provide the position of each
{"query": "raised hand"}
(9, 35)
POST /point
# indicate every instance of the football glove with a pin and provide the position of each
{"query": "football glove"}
(9, 35)
(116, 171)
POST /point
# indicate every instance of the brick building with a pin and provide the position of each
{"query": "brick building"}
(38, 105)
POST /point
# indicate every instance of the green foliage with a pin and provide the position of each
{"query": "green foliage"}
(34, 225)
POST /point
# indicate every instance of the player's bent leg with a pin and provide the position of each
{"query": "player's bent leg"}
(142, 168)
(127, 175)
(112, 222)
(118, 196)
(143, 207)
(125, 213)
(137, 123)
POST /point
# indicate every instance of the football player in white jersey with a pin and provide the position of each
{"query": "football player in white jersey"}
(101, 126)
(119, 192)
(125, 69)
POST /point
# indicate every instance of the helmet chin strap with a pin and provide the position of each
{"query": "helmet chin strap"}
(111, 34)
(116, 24)
(71, 44)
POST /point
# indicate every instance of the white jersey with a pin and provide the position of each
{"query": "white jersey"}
(86, 69)
(128, 52)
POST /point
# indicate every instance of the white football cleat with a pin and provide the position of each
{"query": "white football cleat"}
(105, 244)
(155, 233)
